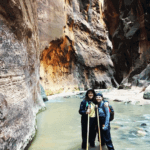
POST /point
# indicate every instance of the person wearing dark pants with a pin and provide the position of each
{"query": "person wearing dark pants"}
(104, 115)
(88, 107)
(92, 133)
(105, 135)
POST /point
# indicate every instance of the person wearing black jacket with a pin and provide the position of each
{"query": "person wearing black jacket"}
(84, 110)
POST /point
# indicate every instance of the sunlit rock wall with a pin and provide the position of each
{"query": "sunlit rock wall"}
(20, 97)
(77, 48)
(128, 25)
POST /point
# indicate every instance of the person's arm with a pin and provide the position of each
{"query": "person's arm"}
(107, 118)
(83, 109)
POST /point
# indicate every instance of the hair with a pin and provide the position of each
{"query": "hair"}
(94, 95)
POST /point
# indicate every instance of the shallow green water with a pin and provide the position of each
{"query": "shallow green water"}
(59, 126)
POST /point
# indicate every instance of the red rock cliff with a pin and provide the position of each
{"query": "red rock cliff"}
(20, 97)
(77, 53)
(128, 25)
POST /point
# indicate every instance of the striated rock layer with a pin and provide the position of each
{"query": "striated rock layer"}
(20, 98)
(77, 50)
(128, 25)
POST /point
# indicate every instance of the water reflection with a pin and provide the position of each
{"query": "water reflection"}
(59, 126)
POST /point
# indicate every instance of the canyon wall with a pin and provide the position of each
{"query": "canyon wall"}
(77, 48)
(128, 25)
(20, 97)
(69, 43)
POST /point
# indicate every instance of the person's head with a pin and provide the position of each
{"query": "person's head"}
(99, 97)
(90, 95)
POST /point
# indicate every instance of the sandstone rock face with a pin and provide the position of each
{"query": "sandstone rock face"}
(78, 54)
(128, 25)
(20, 97)
(51, 21)
(142, 79)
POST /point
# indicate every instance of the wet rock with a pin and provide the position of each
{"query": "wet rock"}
(143, 124)
(66, 97)
(115, 127)
(133, 133)
(123, 138)
(147, 93)
(127, 102)
(120, 87)
(82, 97)
(43, 94)
(82, 93)
(141, 133)
(116, 100)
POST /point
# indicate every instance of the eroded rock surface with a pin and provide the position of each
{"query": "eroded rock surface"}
(128, 26)
(79, 57)
(20, 98)
(75, 51)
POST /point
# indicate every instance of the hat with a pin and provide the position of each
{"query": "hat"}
(99, 94)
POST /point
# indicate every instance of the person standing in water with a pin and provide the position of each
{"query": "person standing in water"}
(84, 110)
(104, 115)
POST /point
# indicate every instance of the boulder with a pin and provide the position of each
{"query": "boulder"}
(146, 94)
(143, 124)
(43, 94)
(141, 133)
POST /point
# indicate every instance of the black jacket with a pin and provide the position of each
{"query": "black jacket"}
(82, 110)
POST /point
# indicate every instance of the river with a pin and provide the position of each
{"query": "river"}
(59, 126)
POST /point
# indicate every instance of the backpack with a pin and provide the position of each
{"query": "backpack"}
(111, 110)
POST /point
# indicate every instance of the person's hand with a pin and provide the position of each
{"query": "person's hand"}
(88, 111)
(105, 127)
(106, 104)
(96, 106)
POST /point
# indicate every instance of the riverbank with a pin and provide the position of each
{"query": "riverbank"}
(133, 96)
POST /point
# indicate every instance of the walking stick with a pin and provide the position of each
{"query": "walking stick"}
(87, 142)
(99, 129)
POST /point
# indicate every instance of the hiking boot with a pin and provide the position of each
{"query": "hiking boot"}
(103, 144)
(83, 145)
(92, 144)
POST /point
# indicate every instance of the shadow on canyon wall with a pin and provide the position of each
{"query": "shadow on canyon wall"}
(127, 23)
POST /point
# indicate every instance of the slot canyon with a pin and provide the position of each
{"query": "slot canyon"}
(66, 45)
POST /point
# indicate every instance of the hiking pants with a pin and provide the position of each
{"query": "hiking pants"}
(92, 132)
(105, 136)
